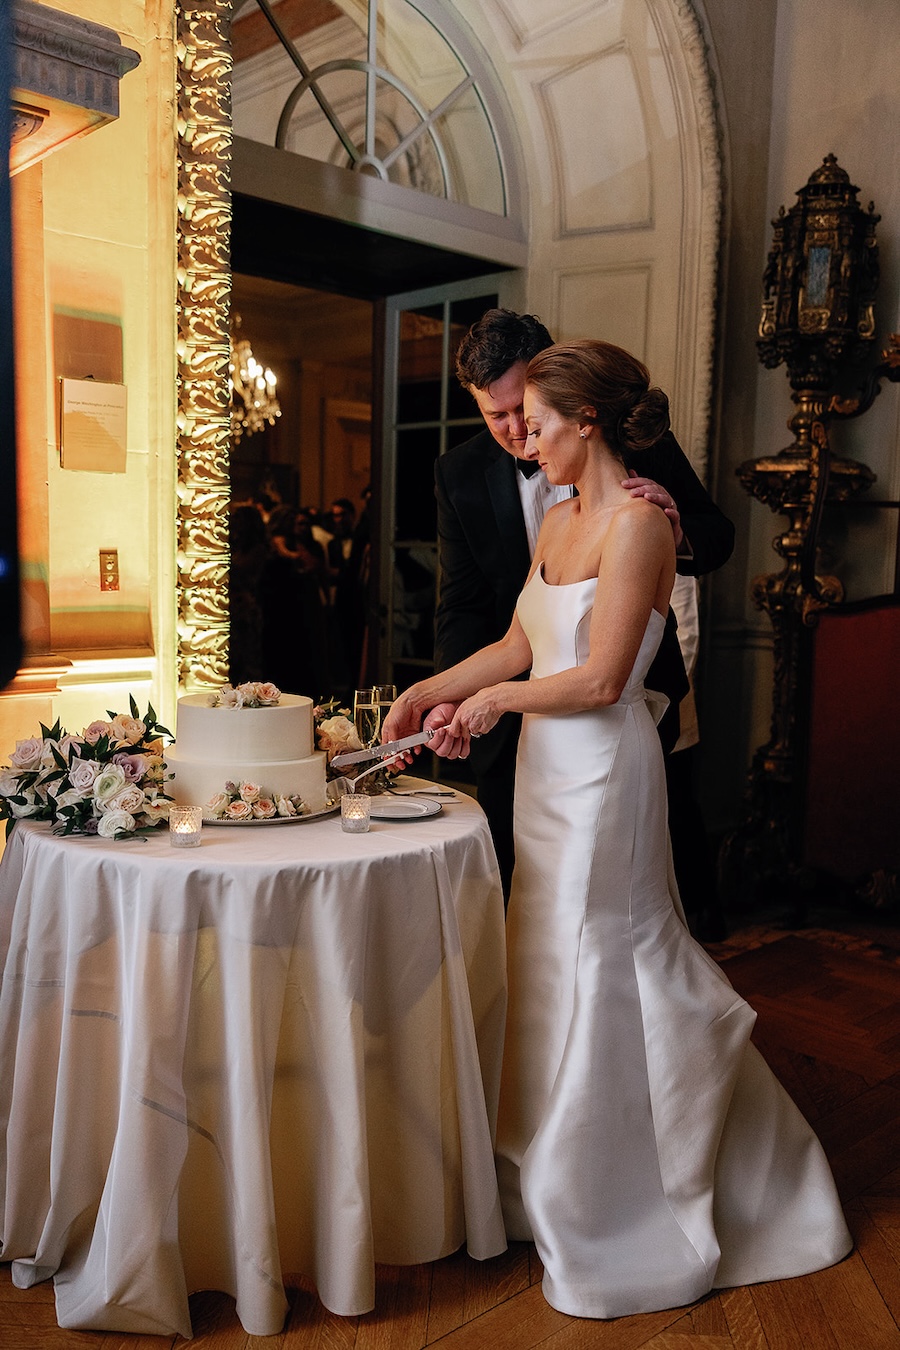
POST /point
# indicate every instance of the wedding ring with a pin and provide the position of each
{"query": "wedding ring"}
(473, 735)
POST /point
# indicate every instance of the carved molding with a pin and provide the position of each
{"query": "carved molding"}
(704, 175)
(204, 297)
(60, 56)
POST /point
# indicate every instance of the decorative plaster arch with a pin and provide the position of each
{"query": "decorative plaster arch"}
(204, 286)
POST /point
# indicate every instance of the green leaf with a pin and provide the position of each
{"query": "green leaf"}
(134, 707)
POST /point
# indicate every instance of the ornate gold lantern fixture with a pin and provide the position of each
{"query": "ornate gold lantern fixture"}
(820, 281)
(818, 319)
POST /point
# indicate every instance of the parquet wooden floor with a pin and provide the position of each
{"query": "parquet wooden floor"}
(828, 1001)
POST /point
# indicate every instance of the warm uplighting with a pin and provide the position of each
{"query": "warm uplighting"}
(253, 400)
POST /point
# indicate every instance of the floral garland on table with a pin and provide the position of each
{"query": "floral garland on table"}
(107, 781)
(249, 801)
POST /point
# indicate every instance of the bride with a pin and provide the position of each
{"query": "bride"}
(643, 1144)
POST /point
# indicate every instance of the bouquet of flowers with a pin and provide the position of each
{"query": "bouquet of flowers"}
(107, 781)
(251, 694)
(249, 801)
(335, 732)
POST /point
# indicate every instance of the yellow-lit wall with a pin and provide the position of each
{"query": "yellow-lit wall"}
(96, 290)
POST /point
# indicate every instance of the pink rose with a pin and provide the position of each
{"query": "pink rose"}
(267, 694)
(264, 809)
(250, 792)
(27, 754)
(133, 766)
(239, 811)
(97, 729)
(127, 729)
(83, 774)
(337, 734)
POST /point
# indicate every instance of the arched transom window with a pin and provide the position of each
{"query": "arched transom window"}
(392, 88)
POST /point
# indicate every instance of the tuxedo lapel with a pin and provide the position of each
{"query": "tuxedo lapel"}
(500, 480)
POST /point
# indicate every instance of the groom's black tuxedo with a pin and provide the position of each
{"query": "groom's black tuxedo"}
(484, 560)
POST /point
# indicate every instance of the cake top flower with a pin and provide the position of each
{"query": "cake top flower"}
(250, 694)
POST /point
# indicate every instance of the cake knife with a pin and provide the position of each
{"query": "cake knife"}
(382, 751)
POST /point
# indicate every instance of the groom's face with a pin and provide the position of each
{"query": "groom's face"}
(501, 407)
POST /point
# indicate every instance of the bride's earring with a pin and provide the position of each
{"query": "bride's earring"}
(583, 435)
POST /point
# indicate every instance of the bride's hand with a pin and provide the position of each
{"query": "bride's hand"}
(476, 716)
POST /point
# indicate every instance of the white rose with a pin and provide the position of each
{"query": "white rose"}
(9, 783)
(284, 807)
(67, 742)
(97, 729)
(30, 807)
(263, 809)
(108, 783)
(83, 774)
(127, 729)
(71, 797)
(268, 694)
(217, 804)
(229, 698)
(250, 792)
(27, 754)
(115, 822)
(239, 811)
(130, 799)
(337, 734)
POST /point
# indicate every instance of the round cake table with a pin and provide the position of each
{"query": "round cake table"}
(276, 1053)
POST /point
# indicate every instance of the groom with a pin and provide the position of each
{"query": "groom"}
(491, 502)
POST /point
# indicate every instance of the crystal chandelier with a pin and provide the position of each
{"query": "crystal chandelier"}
(252, 389)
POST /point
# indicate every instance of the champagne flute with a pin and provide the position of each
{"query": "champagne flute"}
(370, 707)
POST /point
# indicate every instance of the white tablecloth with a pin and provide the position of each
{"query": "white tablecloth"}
(277, 1052)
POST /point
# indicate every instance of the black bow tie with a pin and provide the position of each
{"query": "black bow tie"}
(527, 466)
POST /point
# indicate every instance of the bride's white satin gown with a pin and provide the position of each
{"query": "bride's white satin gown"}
(643, 1143)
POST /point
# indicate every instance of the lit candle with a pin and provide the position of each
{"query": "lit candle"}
(185, 823)
(355, 812)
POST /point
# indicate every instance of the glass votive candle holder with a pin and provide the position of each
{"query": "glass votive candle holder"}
(185, 823)
(356, 810)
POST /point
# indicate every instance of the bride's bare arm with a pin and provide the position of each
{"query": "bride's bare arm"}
(501, 661)
(635, 575)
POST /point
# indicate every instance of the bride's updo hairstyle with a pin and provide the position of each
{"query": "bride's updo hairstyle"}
(573, 377)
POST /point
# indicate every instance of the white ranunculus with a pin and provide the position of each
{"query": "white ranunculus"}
(108, 783)
(27, 754)
(115, 822)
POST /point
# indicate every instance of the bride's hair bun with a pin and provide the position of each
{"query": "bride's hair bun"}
(597, 382)
(645, 422)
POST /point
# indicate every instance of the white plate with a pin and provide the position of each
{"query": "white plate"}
(279, 820)
(386, 807)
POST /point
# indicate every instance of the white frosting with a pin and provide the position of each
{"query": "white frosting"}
(272, 747)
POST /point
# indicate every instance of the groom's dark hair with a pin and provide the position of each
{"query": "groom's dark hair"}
(494, 343)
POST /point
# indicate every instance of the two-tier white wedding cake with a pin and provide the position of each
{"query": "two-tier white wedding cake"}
(271, 746)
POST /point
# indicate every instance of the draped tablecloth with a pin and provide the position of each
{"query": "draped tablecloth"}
(277, 1052)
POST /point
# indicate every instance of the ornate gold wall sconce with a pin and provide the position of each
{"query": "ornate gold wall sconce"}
(818, 319)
